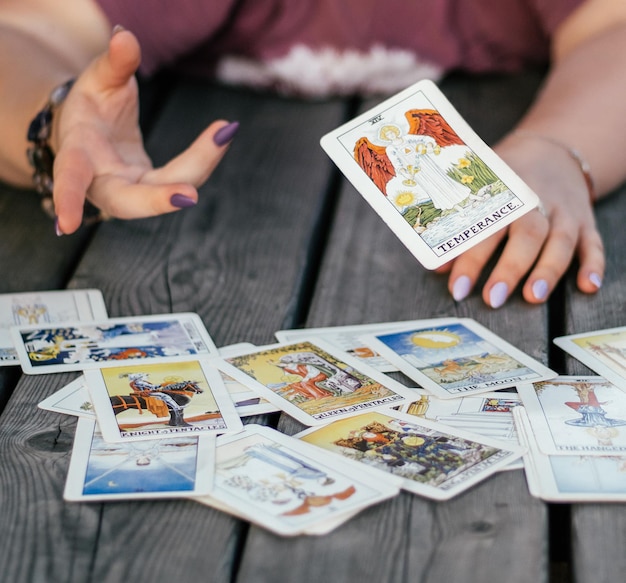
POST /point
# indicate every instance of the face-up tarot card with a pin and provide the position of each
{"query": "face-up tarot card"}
(603, 351)
(433, 460)
(576, 415)
(287, 486)
(174, 467)
(312, 381)
(453, 357)
(421, 167)
(76, 346)
(570, 478)
(38, 308)
(148, 400)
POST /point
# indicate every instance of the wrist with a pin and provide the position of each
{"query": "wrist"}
(40, 154)
(573, 153)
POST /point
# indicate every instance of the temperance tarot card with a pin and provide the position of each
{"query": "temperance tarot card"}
(428, 175)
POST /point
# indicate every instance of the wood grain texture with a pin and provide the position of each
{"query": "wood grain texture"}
(599, 530)
(46, 539)
(32, 256)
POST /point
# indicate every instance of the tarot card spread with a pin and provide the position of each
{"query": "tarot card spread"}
(74, 398)
(427, 174)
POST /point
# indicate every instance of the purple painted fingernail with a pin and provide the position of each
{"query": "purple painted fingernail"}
(57, 229)
(226, 134)
(498, 294)
(181, 201)
(461, 288)
(595, 279)
(540, 289)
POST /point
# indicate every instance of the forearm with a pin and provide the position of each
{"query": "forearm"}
(40, 50)
(582, 105)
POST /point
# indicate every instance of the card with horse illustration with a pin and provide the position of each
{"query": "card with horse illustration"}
(151, 400)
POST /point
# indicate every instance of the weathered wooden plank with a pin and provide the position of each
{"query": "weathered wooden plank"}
(605, 309)
(360, 550)
(496, 527)
(34, 444)
(482, 533)
(599, 530)
(598, 542)
(46, 539)
(33, 258)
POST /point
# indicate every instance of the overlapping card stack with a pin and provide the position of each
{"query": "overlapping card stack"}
(155, 392)
(160, 413)
(575, 427)
(151, 403)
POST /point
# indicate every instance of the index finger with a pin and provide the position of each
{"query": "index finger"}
(73, 174)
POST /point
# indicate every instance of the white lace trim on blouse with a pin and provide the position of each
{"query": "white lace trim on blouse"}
(325, 72)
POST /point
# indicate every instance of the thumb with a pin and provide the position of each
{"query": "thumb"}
(114, 68)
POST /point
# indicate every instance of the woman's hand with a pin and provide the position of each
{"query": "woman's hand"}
(541, 245)
(99, 148)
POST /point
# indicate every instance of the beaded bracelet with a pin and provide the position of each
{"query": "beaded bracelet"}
(572, 152)
(41, 157)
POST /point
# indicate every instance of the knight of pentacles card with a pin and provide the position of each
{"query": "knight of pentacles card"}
(428, 175)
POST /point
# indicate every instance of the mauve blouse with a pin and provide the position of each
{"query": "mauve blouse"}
(470, 35)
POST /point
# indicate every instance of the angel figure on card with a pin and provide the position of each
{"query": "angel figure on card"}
(427, 169)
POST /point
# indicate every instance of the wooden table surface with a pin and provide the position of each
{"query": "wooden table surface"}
(280, 240)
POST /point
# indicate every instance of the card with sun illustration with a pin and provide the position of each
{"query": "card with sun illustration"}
(428, 175)
(453, 357)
